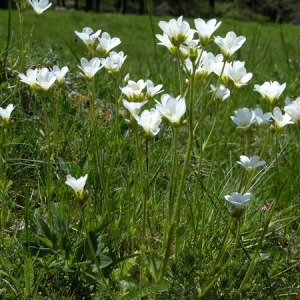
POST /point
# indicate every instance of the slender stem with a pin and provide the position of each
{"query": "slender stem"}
(146, 193)
(138, 174)
(191, 109)
(225, 265)
(179, 63)
(2, 154)
(30, 35)
(222, 251)
(176, 211)
(167, 252)
(262, 151)
(173, 180)
(146, 198)
(48, 173)
(23, 51)
(97, 146)
(100, 273)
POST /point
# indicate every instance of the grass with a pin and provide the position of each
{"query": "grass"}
(151, 232)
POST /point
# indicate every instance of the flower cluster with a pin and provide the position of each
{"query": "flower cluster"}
(170, 108)
(105, 42)
(178, 36)
(99, 48)
(43, 79)
(247, 119)
(137, 91)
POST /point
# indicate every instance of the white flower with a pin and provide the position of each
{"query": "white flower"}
(206, 29)
(133, 107)
(239, 200)
(230, 43)
(244, 118)
(270, 90)
(150, 121)
(190, 49)
(165, 41)
(60, 73)
(222, 70)
(250, 163)
(206, 64)
(260, 117)
(151, 89)
(293, 109)
(77, 184)
(39, 5)
(237, 73)
(6, 112)
(134, 90)
(88, 36)
(45, 79)
(106, 43)
(172, 108)
(209, 61)
(39, 79)
(29, 78)
(288, 101)
(90, 68)
(177, 31)
(280, 119)
(220, 93)
(113, 62)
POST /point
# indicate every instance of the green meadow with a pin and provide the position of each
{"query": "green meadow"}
(151, 221)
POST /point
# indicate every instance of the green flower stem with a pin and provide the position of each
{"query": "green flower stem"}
(203, 113)
(179, 71)
(247, 141)
(146, 198)
(188, 153)
(149, 5)
(3, 155)
(222, 248)
(100, 273)
(167, 252)
(3, 181)
(172, 192)
(98, 149)
(243, 185)
(266, 142)
(174, 173)
(146, 191)
(21, 22)
(30, 35)
(183, 171)
(225, 265)
(206, 197)
(48, 179)
(138, 173)
(115, 132)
